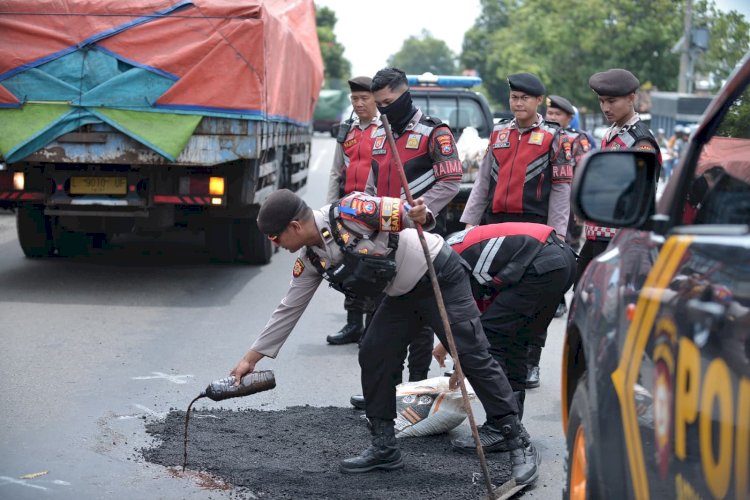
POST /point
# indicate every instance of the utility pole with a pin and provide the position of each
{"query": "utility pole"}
(686, 76)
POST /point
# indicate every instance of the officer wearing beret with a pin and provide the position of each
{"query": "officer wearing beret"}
(526, 174)
(368, 246)
(616, 89)
(349, 173)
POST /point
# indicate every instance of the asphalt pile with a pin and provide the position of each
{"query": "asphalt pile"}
(294, 453)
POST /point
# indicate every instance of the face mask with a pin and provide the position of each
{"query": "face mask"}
(399, 111)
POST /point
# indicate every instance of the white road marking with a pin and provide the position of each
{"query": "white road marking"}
(316, 163)
(151, 412)
(176, 379)
(61, 482)
(11, 480)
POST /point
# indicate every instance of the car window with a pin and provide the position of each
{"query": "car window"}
(720, 190)
(454, 111)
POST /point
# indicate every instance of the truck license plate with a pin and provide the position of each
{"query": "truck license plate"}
(98, 185)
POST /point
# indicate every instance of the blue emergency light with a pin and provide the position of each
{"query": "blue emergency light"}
(429, 79)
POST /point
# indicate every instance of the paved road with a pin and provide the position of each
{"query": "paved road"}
(91, 348)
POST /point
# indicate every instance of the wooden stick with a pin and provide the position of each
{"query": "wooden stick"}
(443, 313)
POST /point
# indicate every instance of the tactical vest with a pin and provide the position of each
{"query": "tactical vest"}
(413, 150)
(520, 173)
(358, 275)
(625, 140)
(357, 148)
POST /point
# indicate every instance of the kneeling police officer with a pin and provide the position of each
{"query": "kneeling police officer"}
(368, 245)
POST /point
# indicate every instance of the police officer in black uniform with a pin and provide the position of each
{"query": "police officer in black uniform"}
(367, 245)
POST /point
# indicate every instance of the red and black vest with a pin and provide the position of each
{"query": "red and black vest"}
(427, 152)
(500, 253)
(524, 166)
(357, 148)
(638, 132)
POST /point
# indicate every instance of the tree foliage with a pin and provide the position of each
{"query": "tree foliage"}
(564, 43)
(336, 67)
(424, 53)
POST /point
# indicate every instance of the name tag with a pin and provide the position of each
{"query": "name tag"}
(536, 138)
(413, 141)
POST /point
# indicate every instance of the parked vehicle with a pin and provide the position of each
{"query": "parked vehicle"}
(120, 116)
(656, 360)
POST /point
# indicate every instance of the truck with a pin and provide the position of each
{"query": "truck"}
(655, 393)
(121, 116)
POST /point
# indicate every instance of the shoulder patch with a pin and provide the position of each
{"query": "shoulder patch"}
(431, 120)
(299, 266)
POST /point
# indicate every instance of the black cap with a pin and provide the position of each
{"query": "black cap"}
(526, 82)
(555, 101)
(279, 209)
(614, 82)
(360, 83)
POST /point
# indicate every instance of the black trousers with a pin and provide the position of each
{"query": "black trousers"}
(398, 319)
(521, 313)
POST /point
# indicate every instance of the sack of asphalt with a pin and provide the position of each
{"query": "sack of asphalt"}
(429, 407)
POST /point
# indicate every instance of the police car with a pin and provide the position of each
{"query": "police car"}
(656, 361)
(452, 100)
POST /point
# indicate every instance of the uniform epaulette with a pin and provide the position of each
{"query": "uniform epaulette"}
(554, 124)
(432, 120)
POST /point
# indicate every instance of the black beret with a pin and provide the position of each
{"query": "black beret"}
(279, 209)
(360, 83)
(526, 82)
(614, 82)
(555, 101)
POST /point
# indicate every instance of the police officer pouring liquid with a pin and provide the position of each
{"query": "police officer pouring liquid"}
(520, 271)
(349, 172)
(616, 89)
(526, 174)
(367, 245)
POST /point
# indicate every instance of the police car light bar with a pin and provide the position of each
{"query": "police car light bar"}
(444, 80)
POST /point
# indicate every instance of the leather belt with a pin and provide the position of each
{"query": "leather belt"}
(552, 239)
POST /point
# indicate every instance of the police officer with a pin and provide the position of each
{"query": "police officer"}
(560, 111)
(367, 245)
(616, 89)
(519, 273)
(526, 174)
(433, 170)
(349, 173)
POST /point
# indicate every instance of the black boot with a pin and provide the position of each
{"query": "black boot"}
(358, 401)
(351, 332)
(524, 464)
(383, 454)
(497, 434)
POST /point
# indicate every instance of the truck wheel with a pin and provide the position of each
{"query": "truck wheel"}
(580, 469)
(254, 246)
(34, 232)
(220, 242)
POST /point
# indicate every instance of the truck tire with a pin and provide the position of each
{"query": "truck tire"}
(580, 468)
(34, 232)
(220, 241)
(255, 247)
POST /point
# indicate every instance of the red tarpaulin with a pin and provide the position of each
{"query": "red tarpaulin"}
(257, 57)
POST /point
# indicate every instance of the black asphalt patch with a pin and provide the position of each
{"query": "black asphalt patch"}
(295, 453)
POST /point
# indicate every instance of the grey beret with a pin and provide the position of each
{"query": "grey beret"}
(360, 83)
(526, 82)
(279, 209)
(614, 82)
(555, 101)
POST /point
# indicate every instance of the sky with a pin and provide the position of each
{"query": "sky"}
(371, 35)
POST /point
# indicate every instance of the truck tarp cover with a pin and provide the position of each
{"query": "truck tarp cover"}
(152, 69)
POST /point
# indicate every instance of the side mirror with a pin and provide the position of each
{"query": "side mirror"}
(616, 188)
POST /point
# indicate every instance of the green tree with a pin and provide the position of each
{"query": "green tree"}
(424, 53)
(564, 43)
(336, 67)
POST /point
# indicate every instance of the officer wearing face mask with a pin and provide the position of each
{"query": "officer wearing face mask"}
(425, 145)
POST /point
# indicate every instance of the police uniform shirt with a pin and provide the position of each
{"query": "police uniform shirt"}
(439, 195)
(614, 130)
(558, 208)
(339, 161)
(410, 267)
